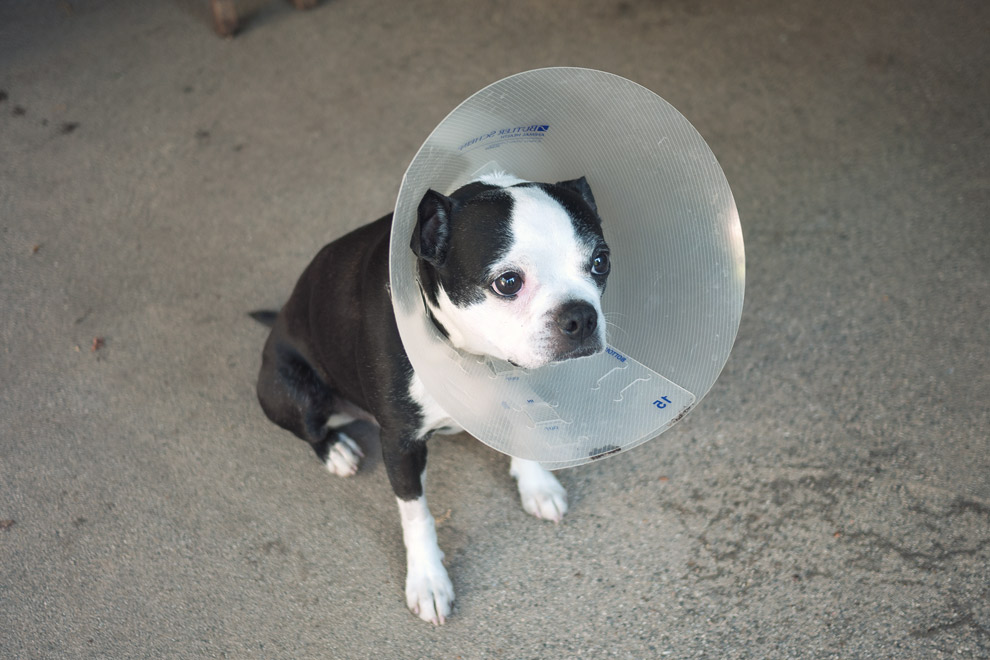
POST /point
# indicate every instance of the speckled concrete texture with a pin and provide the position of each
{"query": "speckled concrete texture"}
(830, 498)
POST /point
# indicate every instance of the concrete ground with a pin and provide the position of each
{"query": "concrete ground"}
(830, 498)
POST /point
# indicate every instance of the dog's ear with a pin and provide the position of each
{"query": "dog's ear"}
(431, 236)
(581, 187)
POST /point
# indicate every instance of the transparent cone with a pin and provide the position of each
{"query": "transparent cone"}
(675, 295)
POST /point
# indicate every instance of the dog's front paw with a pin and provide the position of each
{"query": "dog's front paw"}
(344, 456)
(547, 501)
(541, 493)
(429, 593)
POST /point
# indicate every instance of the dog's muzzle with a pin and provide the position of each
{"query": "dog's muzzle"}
(577, 331)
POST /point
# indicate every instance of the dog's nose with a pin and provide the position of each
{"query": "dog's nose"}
(577, 320)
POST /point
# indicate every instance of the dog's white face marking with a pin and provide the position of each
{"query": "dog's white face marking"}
(500, 179)
(554, 264)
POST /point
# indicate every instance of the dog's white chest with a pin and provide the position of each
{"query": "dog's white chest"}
(435, 418)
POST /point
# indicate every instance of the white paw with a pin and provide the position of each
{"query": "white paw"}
(541, 493)
(429, 593)
(344, 457)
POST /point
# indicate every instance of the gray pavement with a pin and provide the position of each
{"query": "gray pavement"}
(830, 498)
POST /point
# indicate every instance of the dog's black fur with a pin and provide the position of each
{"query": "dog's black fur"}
(335, 342)
(334, 352)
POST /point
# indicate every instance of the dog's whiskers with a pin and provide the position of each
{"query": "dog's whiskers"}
(612, 326)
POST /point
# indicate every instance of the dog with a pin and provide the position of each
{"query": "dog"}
(508, 268)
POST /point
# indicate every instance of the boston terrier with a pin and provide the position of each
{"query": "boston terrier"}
(508, 268)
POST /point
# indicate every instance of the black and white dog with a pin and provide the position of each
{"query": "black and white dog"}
(508, 268)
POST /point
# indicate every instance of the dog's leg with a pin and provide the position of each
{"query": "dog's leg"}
(339, 453)
(294, 396)
(429, 593)
(541, 493)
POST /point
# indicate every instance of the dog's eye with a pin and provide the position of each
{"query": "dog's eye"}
(507, 284)
(600, 265)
